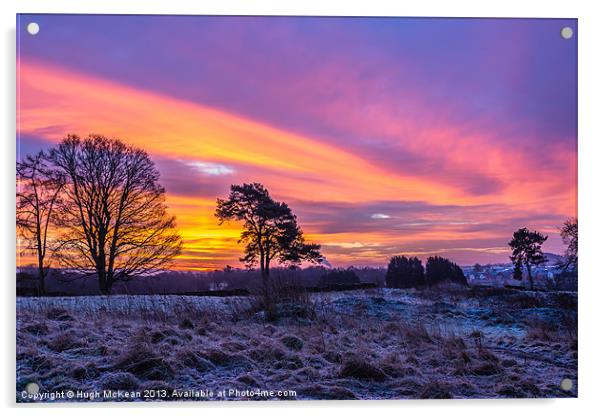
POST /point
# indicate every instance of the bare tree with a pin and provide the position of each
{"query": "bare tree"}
(38, 192)
(113, 220)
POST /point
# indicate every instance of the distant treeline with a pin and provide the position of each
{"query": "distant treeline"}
(182, 282)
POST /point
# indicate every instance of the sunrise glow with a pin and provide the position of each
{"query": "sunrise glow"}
(379, 150)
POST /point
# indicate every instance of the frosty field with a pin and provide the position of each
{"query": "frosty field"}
(372, 344)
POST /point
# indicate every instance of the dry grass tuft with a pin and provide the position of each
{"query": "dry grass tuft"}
(63, 341)
(187, 358)
(358, 367)
(436, 389)
(292, 342)
(143, 361)
(119, 381)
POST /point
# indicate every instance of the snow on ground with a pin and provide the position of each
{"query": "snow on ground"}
(372, 344)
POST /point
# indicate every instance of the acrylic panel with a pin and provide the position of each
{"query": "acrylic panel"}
(295, 208)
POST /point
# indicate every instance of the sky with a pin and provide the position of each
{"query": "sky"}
(386, 136)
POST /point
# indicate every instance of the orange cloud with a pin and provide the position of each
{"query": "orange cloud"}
(49, 96)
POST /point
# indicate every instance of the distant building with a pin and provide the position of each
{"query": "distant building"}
(218, 285)
(503, 275)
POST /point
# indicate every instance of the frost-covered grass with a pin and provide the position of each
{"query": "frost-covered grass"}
(150, 307)
(373, 344)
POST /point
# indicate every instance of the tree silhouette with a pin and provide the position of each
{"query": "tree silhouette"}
(569, 234)
(439, 269)
(38, 192)
(270, 230)
(404, 272)
(113, 220)
(526, 252)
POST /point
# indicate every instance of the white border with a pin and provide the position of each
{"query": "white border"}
(590, 175)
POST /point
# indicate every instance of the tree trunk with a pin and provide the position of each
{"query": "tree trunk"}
(265, 281)
(267, 271)
(109, 284)
(41, 289)
(41, 283)
(530, 276)
(102, 286)
(102, 282)
(262, 268)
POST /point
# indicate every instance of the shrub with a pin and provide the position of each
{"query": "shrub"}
(439, 269)
(404, 272)
(565, 300)
(285, 299)
(566, 280)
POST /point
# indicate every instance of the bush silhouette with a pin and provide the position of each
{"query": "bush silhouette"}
(404, 272)
(439, 269)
